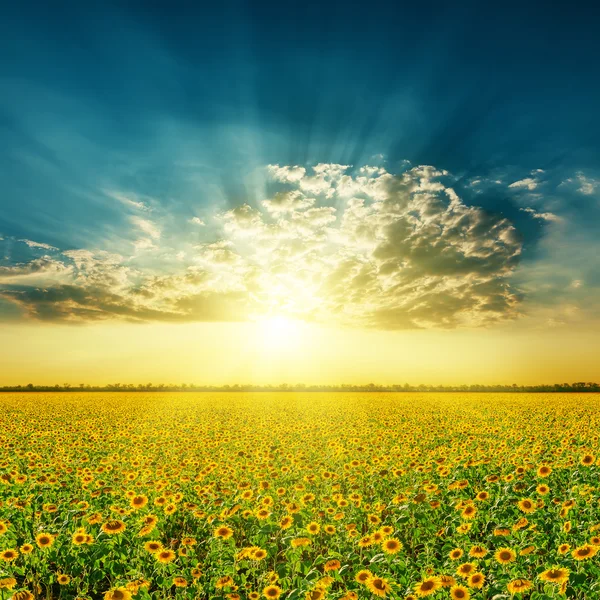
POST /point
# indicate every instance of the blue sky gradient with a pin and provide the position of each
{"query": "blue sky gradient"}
(180, 107)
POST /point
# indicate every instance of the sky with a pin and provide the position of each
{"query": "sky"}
(267, 192)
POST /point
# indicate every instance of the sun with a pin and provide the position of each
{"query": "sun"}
(279, 332)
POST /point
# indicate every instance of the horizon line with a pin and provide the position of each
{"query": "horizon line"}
(579, 386)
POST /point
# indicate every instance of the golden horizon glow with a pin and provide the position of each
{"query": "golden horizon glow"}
(261, 353)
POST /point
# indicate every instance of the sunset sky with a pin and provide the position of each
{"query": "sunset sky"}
(322, 193)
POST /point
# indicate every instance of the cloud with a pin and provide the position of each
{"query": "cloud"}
(147, 227)
(587, 186)
(286, 174)
(545, 216)
(196, 221)
(528, 183)
(131, 200)
(370, 249)
(40, 245)
(287, 201)
(39, 269)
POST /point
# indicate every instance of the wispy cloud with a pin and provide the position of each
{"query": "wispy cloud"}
(147, 226)
(130, 200)
(40, 245)
(544, 216)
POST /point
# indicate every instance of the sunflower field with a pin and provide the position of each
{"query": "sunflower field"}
(299, 496)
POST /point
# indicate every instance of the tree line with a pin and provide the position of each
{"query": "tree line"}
(580, 386)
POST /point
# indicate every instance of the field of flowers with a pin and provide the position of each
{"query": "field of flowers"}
(299, 496)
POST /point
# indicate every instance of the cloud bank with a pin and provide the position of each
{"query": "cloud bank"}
(357, 247)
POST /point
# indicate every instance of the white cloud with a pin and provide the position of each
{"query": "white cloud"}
(587, 185)
(543, 216)
(131, 200)
(373, 250)
(40, 245)
(147, 227)
(197, 221)
(528, 183)
(288, 201)
(286, 174)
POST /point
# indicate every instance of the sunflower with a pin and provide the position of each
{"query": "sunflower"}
(526, 505)
(587, 460)
(26, 548)
(378, 586)
(363, 576)
(584, 552)
(223, 532)
(224, 582)
(286, 522)
(153, 547)
(555, 575)
(23, 595)
(325, 581)
(505, 556)
(44, 540)
(113, 527)
(7, 583)
(365, 541)
(196, 573)
(332, 565)
(595, 541)
(298, 542)
(165, 556)
(258, 554)
(139, 501)
(478, 551)
(567, 526)
(455, 554)
(469, 512)
(516, 586)
(501, 532)
(564, 548)
(542, 489)
(79, 538)
(188, 541)
(466, 569)
(253, 596)
(391, 546)
(459, 592)
(63, 579)
(94, 518)
(527, 550)
(271, 592)
(316, 594)
(447, 580)
(119, 593)
(313, 528)
(544, 471)
(9, 555)
(476, 580)
(428, 586)
(3, 527)
(180, 582)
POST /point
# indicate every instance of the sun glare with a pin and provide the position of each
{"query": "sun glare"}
(279, 332)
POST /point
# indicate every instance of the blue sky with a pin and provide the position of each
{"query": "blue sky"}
(122, 119)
